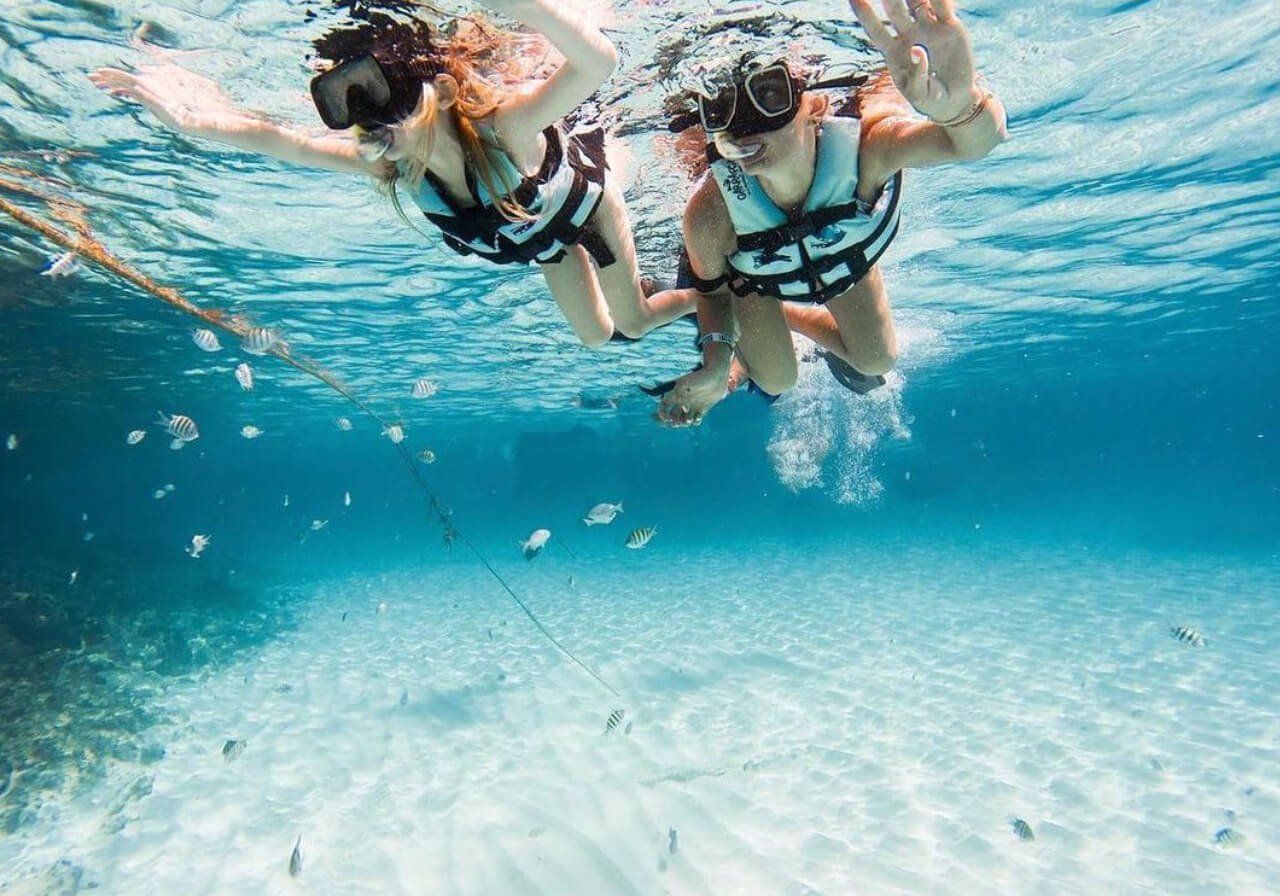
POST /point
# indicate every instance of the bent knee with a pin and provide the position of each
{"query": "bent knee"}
(876, 362)
(775, 382)
(594, 337)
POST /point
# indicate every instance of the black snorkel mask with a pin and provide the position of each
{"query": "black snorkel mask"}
(370, 92)
(764, 100)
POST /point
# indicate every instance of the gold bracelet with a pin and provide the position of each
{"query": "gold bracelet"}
(967, 117)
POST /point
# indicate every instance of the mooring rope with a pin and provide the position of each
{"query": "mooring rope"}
(85, 246)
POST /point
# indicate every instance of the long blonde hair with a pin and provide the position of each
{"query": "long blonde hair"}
(471, 47)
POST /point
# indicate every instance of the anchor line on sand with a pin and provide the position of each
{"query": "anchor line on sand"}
(86, 247)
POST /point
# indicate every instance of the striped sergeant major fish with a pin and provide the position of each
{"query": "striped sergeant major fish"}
(1021, 829)
(244, 376)
(641, 537)
(1187, 635)
(206, 340)
(62, 266)
(1228, 837)
(260, 340)
(423, 388)
(181, 427)
(615, 719)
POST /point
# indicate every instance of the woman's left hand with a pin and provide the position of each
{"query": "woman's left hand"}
(927, 52)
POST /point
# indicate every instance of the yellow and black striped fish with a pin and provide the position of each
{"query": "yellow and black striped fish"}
(1187, 635)
(641, 537)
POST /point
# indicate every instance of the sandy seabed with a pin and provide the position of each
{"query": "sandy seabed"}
(837, 719)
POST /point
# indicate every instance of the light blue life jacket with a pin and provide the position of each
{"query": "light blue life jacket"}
(561, 198)
(830, 246)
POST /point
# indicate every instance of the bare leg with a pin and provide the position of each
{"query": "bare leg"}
(856, 326)
(572, 282)
(764, 344)
(633, 313)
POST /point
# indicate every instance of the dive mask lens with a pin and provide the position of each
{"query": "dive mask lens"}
(771, 90)
(716, 112)
(346, 94)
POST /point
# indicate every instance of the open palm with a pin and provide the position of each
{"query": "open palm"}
(927, 52)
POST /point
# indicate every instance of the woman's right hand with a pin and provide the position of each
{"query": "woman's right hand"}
(693, 395)
(181, 100)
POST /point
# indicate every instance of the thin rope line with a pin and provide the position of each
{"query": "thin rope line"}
(87, 247)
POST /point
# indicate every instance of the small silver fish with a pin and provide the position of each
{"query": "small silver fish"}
(232, 749)
(180, 426)
(260, 340)
(206, 340)
(61, 266)
(75, 574)
(394, 432)
(427, 456)
(168, 486)
(671, 841)
(344, 424)
(88, 536)
(12, 442)
(249, 431)
(602, 514)
(244, 376)
(198, 544)
(641, 537)
(1187, 635)
(404, 697)
(423, 389)
(286, 500)
(536, 541)
(317, 525)
(135, 437)
(346, 499)
(159, 493)
(1021, 829)
(615, 718)
(1228, 837)
(295, 858)
(382, 606)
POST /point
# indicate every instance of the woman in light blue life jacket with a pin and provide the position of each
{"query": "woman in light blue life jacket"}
(786, 232)
(495, 168)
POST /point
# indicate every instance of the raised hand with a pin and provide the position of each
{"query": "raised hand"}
(927, 52)
(181, 100)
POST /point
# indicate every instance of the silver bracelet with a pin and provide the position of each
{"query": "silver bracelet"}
(715, 336)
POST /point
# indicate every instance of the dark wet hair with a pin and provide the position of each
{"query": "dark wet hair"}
(371, 32)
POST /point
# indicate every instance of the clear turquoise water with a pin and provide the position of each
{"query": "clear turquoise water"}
(1088, 382)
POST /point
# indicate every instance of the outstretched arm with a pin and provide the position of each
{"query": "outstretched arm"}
(589, 60)
(195, 105)
(930, 59)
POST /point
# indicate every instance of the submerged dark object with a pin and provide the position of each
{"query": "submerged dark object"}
(295, 858)
(232, 749)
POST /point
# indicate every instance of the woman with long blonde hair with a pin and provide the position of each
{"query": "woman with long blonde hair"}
(424, 108)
